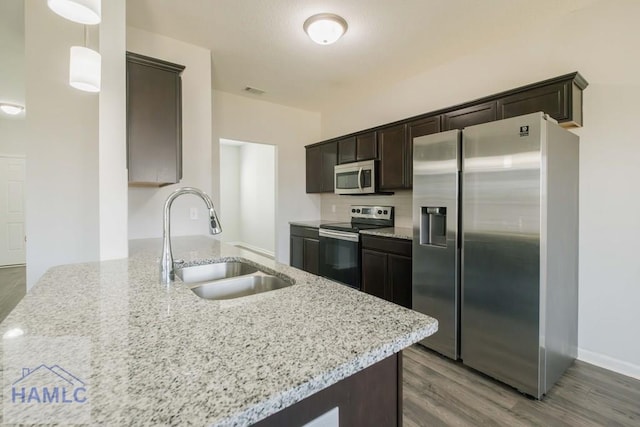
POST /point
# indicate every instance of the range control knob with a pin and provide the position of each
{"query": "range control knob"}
(386, 211)
(353, 210)
(358, 210)
(379, 212)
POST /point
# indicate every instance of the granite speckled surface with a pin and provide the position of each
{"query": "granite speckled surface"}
(161, 355)
(405, 233)
(313, 224)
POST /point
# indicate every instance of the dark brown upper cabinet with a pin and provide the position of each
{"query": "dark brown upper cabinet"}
(154, 121)
(560, 97)
(358, 147)
(393, 148)
(320, 161)
(366, 146)
(347, 150)
(469, 116)
(416, 128)
(562, 101)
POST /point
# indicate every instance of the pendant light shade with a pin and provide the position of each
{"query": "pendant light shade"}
(84, 69)
(325, 28)
(81, 11)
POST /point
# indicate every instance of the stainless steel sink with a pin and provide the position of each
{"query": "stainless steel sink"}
(216, 271)
(239, 286)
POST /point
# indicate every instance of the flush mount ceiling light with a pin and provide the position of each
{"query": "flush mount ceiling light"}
(325, 28)
(81, 11)
(11, 109)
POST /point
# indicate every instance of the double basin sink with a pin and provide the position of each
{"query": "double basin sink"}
(228, 280)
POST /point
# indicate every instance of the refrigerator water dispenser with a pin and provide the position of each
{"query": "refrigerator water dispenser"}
(433, 226)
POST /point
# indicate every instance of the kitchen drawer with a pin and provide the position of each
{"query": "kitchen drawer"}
(387, 244)
(309, 232)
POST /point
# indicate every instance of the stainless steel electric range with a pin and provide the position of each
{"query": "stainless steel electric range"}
(340, 243)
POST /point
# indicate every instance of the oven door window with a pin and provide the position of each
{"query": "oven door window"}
(340, 261)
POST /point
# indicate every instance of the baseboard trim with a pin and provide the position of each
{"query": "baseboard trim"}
(610, 363)
(252, 248)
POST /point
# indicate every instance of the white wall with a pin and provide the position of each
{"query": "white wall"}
(62, 148)
(600, 43)
(229, 212)
(247, 196)
(257, 196)
(12, 135)
(289, 129)
(145, 204)
(12, 75)
(112, 150)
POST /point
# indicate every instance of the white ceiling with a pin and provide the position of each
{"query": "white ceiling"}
(260, 43)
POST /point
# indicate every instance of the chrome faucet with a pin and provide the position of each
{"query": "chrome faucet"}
(166, 264)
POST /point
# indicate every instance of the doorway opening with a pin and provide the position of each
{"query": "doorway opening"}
(12, 233)
(12, 216)
(248, 195)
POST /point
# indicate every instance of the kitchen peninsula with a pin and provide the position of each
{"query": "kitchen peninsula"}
(162, 355)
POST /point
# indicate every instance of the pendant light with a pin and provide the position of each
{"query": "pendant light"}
(86, 12)
(325, 28)
(85, 67)
(84, 64)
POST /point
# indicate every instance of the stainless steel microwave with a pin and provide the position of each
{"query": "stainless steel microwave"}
(355, 178)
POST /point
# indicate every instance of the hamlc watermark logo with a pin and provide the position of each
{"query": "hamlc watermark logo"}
(48, 384)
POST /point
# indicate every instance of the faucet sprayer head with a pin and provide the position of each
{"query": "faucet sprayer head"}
(214, 222)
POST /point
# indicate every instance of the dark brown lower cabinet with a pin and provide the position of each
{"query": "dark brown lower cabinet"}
(386, 268)
(371, 397)
(311, 254)
(374, 274)
(399, 277)
(304, 245)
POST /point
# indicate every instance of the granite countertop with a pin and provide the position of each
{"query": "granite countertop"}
(162, 355)
(405, 233)
(313, 223)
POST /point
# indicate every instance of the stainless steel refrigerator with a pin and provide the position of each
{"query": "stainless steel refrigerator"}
(495, 248)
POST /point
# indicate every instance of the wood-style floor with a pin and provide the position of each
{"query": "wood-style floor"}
(440, 392)
(13, 286)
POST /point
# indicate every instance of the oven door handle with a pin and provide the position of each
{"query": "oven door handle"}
(340, 235)
(360, 179)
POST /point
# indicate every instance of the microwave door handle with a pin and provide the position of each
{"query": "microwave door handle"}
(360, 179)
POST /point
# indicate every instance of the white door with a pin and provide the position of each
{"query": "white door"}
(12, 231)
